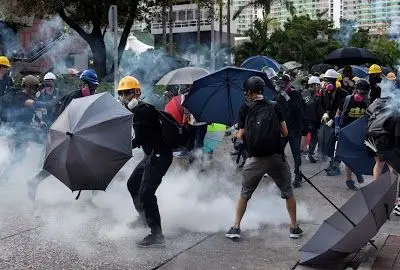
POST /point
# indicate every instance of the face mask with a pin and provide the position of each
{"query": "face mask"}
(329, 87)
(375, 80)
(85, 91)
(132, 103)
(358, 97)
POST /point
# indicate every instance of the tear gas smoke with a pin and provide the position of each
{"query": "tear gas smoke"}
(346, 30)
(190, 200)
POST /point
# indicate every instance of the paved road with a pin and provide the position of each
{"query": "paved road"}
(196, 207)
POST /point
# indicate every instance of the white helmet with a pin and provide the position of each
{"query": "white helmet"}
(49, 76)
(314, 80)
(270, 72)
(331, 73)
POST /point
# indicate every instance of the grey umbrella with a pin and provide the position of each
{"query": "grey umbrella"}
(89, 142)
(291, 65)
(350, 228)
(186, 75)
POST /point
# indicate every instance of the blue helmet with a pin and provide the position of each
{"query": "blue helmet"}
(89, 76)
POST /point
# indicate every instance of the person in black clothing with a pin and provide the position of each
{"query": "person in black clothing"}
(148, 174)
(5, 80)
(293, 106)
(47, 96)
(375, 77)
(271, 126)
(89, 85)
(352, 108)
(313, 113)
(332, 98)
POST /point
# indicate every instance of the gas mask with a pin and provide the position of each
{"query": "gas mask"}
(85, 91)
(360, 96)
(375, 80)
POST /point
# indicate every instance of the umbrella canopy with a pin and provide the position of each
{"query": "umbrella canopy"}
(358, 71)
(186, 75)
(217, 98)
(291, 65)
(368, 209)
(89, 142)
(350, 56)
(259, 62)
(174, 107)
(320, 68)
(351, 149)
(215, 135)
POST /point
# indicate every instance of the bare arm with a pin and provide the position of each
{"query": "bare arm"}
(240, 134)
(284, 130)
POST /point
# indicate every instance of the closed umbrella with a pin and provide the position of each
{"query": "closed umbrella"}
(186, 76)
(353, 225)
(217, 97)
(89, 142)
(350, 56)
(259, 62)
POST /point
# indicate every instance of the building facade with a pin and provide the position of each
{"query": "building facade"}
(246, 19)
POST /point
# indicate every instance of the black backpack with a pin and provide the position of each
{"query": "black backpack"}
(378, 113)
(173, 134)
(262, 130)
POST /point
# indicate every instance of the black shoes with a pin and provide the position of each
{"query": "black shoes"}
(233, 233)
(152, 240)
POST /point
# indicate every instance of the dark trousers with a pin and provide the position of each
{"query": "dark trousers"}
(197, 134)
(295, 143)
(313, 129)
(143, 184)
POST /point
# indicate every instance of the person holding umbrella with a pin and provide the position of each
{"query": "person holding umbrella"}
(352, 108)
(89, 83)
(375, 77)
(148, 174)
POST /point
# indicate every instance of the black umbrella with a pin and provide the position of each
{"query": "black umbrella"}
(320, 68)
(350, 56)
(89, 142)
(353, 225)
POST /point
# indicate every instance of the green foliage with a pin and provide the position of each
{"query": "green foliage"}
(387, 51)
(360, 39)
(302, 39)
(266, 6)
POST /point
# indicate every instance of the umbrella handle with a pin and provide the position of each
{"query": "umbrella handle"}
(79, 194)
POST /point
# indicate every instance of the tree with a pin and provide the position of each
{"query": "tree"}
(89, 18)
(360, 39)
(266, 6)
(387, 51)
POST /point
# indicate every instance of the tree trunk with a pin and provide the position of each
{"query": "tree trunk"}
(171, 34)
(99, 55)
(164, 25)
(221, 21)
(198, 40)
(228, 29)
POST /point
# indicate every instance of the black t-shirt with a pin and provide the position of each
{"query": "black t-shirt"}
(245, 108)
(14, 110)
(354, 111)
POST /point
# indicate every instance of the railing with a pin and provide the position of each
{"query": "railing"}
(180, 24)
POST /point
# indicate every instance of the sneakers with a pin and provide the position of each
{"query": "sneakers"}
(233, 233)
(296, 233)
(311, 158)
(152, 240)
(351, 185)
(297, 181)
(396, 210)
(360, 179)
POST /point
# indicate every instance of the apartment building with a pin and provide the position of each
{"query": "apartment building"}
(246, 19)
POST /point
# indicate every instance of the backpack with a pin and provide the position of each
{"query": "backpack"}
(379, 113)
(173, 134)
(262, 130)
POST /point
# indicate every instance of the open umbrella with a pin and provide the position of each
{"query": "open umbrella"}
(259, 62)
(186, 75)
(320, 68)
(353, 225)
(89, 142)
(352, 150)
(358, 71)
(350, 56)
(291, 65)
(215, 135)
(217, 97)
(174, 108)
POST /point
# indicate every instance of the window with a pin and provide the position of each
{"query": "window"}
(182, 15)
(190, 15)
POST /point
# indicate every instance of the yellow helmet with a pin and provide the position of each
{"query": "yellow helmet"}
(338, 84)
(4, 61)
(355, 78)
(128, 83)
(391, 76)
(339, 77)
(321, 76)
(374, 69)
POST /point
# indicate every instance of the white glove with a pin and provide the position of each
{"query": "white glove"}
(325, 117)
(330, 122)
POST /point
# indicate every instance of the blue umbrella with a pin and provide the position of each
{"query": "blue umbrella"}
(358, 71)
(351, 149)
(260, 61)
(217, 97)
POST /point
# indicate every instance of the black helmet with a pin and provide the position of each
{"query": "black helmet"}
(363, 85)
(254, 84)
